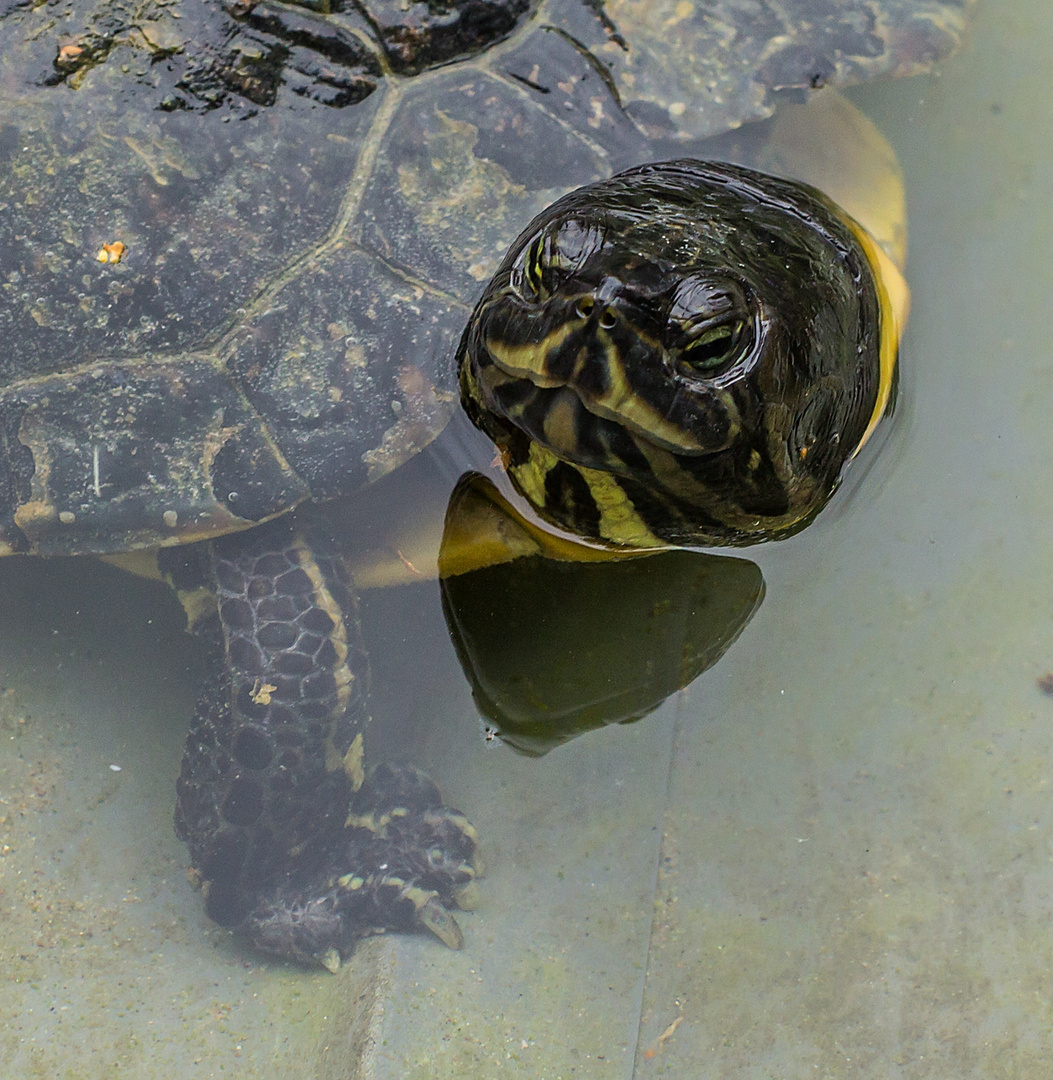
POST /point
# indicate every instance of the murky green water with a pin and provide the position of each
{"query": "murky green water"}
(829, 857)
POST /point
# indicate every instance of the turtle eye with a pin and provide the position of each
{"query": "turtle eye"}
(534, 266)
(709, 325)
(531, 270)
(710, 347)
(554, 256)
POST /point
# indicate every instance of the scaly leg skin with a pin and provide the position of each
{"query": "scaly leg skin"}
(300, 850)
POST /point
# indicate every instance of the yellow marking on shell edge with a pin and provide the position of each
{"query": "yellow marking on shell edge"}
(894, 303)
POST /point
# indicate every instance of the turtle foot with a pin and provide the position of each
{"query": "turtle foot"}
(403, 861)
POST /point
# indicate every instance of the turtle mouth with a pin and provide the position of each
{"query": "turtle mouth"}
(558, 419)
(561, 411)
(593, 387)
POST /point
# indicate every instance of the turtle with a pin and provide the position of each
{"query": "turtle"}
(254, 257)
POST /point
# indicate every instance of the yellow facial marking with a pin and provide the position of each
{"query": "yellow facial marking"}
(560, 429)
(619, 403)
(530, 361)
(531, 474)
(622, 405)
(534, 265)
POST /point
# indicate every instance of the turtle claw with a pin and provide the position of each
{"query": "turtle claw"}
(402, 861)
(434, 917)
(467, 896)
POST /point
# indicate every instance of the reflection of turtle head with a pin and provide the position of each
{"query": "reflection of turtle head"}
(687, 353)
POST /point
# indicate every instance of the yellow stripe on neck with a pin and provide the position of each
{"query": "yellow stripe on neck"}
(620, 522)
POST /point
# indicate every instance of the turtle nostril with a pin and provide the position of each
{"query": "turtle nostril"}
(583, 308)
(608, 318)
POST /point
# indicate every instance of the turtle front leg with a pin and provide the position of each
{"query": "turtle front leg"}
(298, 850)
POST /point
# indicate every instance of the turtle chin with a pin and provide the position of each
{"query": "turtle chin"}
(605, 476)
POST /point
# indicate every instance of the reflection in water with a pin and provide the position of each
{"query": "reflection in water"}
(553, 648)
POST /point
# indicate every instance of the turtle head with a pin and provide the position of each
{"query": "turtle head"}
(687, 353)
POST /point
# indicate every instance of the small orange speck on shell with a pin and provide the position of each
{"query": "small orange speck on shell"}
(111, 253)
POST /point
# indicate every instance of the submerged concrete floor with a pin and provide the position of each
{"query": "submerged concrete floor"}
(832, 856)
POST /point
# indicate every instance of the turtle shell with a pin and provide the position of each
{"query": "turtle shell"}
(238, 245)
